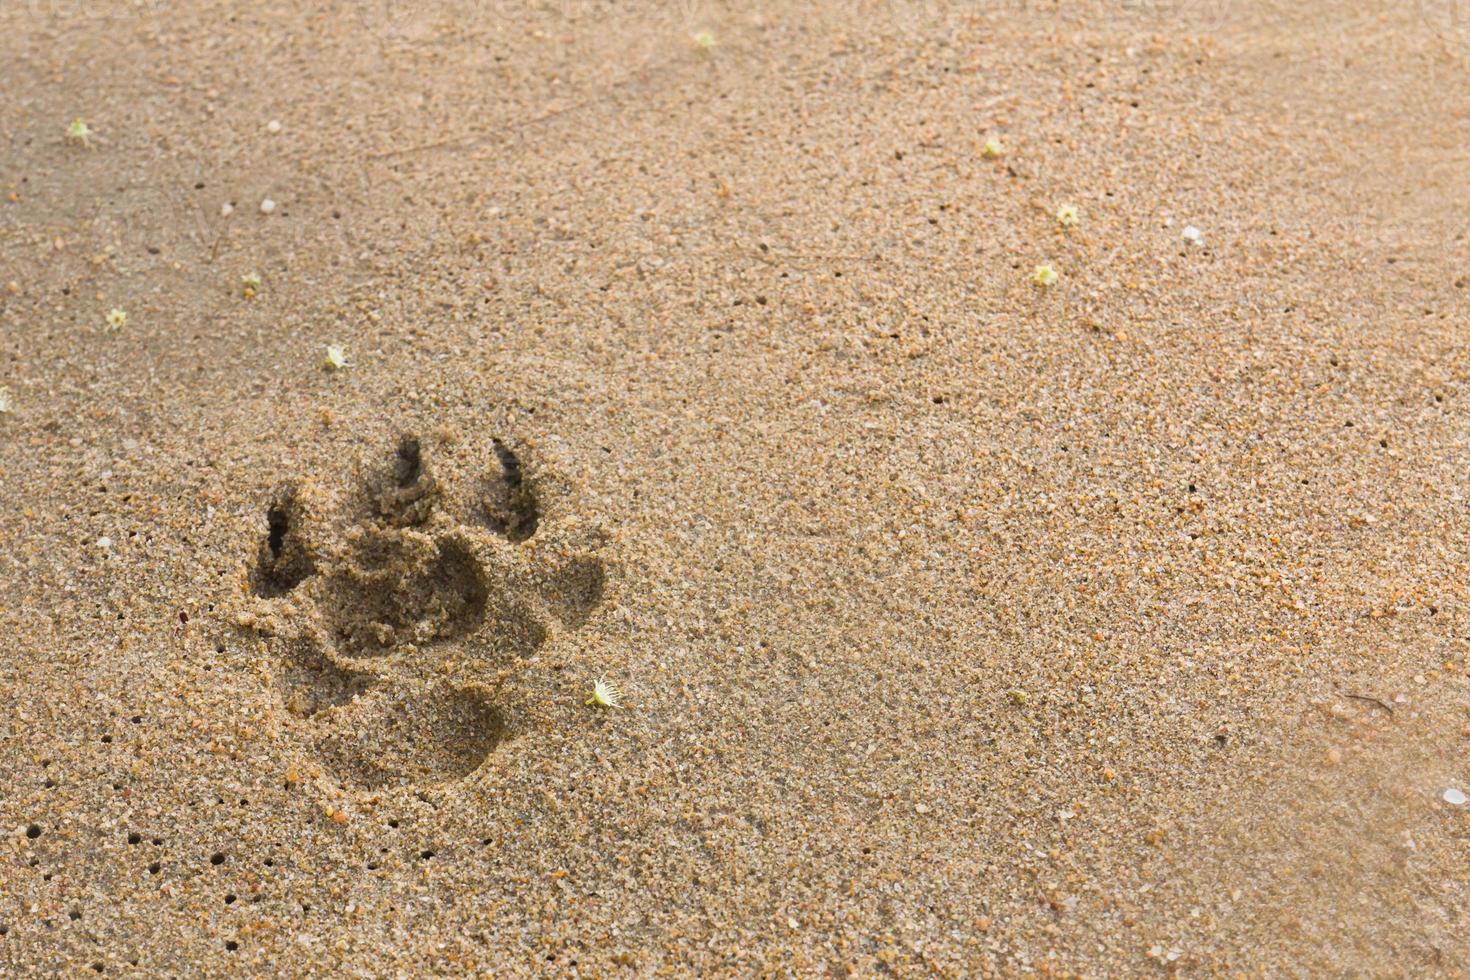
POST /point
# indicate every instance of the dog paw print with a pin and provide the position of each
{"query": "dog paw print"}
(394, 613)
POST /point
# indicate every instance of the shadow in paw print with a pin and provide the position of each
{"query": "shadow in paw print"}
(284, 561)
(411, 735)
(309, 682)
(576, 587)
(404, 587)
(510, 508)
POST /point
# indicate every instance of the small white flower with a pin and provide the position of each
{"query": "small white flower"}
(336, 358)
(1192, 236)
(250, 284)
(992, 149)
(1044, 275)
(79, 132)
(117, 318)
(1067, 215)
(605, 694)
(703, 39)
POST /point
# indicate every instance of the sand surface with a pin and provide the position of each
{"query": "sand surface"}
(964, 626)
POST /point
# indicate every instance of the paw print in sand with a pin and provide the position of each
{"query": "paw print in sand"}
(393, 615)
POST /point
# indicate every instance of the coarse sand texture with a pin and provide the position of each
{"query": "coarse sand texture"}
(796, 488)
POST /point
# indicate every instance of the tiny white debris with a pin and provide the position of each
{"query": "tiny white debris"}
(226, 209)
(1455, 797)
(104, 542)
(267, 206)
(79, 132)
(1192, 235)
(5, 407)
(920, 808)
(273, 126)
(336, 357)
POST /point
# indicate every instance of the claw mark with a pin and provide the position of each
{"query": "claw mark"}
(407, 498)
(283, 562)
(510, 507)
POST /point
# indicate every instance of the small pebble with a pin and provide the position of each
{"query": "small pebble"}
(1192, 236)
(227, 209)
(273, 126)
(267, 206)
(1455, 797)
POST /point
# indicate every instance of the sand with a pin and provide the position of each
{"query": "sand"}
(964, 626)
